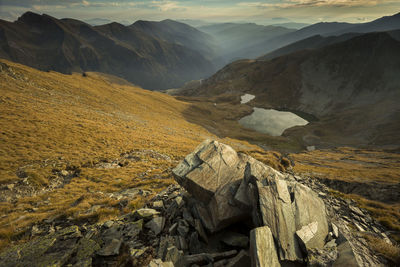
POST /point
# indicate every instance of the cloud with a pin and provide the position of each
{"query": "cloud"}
(260, 11)
(165, 5)
(315, 3)
(31, 3)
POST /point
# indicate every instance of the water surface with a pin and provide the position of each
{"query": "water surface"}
(271, 121)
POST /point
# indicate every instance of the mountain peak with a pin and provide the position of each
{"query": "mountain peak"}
(29, 16)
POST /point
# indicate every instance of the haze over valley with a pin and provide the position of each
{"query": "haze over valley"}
(173, 133)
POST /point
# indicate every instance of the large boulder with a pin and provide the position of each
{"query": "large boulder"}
(211, 166)
(235, 187)
(212, 175)
(275, 206)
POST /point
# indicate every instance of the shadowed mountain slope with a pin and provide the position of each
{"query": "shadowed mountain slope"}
(256, 47)
(313, 42)
(69, 45)
(234, 37)
(179, 33)
(352, 87)
(386, 23)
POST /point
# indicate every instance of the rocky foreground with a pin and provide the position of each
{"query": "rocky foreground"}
(229, 210)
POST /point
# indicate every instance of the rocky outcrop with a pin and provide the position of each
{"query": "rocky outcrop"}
(231, 185)
(211, 174)
(281, 222)
(262, 248)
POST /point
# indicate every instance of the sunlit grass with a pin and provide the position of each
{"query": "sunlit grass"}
(51, 122)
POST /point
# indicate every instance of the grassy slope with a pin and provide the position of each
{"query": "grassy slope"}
(51, 122)
(350, 165)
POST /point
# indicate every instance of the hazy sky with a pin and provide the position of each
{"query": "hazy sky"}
(262, 11)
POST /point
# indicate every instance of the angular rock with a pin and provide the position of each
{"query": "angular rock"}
(256, 171)
(256, 216)
(156, 225)
(335, 230)
(111, 248)
(200, 230)
(235, 239)
(346, 256)
(203, 214)
(306, 236)
(262, 248)
(187, 216)
(172, 229)
(137, 252)
(209, 167)
(240, 260)
(108, 224)
(309, 208)
(277, 213)
(204, 258)
(134, 228)
(146, 214)
(322, 257)
(160, 263)
(208, 174)
(62, 244)
(222, 212)
(194, 243)
(183, 228)
(241, 197)
(164, 244)
(158, 204)
(174, 255)
(84, 252)
(182, 243)
(179, 202)
(114, 232)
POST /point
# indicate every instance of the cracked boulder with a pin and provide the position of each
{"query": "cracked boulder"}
(309, 210)
(275, 208)
(212, 175)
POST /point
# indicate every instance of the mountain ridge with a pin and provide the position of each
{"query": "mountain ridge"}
(339, 84)
(77, 46)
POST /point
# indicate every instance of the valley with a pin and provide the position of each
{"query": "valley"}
(158, 143)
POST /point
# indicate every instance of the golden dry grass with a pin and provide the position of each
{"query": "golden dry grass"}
(50, 122)
(350, 164)
(360, 166)
(390, 252)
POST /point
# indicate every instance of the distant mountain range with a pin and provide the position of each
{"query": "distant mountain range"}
(242, 41)
(139, 53)
(161, 55)
(350, 84)
(233, 38)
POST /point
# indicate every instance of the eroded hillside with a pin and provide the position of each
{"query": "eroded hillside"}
(84, 148)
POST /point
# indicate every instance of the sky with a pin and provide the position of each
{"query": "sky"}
(261, 11)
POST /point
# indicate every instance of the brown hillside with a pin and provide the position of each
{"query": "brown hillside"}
(69, 142)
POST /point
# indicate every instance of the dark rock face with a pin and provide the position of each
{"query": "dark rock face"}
(286, 223)
(332, 83)
(68, 45)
